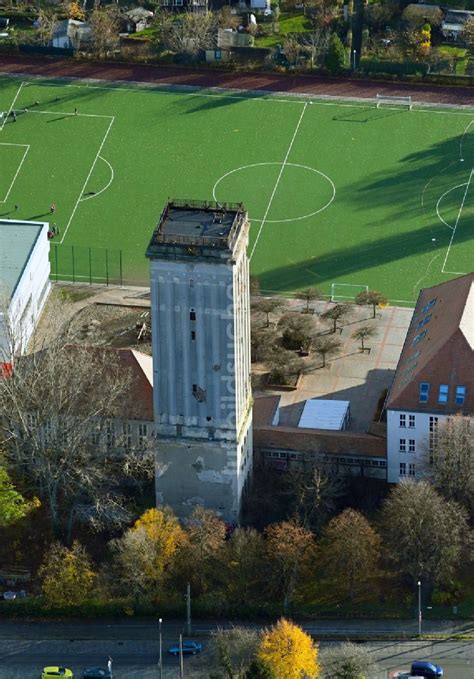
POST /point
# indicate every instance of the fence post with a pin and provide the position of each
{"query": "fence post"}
(73, 269)
(90, 267)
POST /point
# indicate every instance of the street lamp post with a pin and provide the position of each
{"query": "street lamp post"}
(354, 54)
(419, 608)
(160, 662)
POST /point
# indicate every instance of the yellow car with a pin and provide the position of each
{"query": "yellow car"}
(49, 672)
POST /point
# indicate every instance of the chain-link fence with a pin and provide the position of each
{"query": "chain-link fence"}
(106, 266)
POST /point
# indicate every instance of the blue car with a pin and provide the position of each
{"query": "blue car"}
(424, 668)
(189, 648)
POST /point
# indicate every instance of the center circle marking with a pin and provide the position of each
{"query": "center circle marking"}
(303, 167)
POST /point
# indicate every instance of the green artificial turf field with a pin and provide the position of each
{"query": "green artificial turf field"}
(341, 196)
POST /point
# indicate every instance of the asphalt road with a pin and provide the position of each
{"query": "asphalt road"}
(25, 649)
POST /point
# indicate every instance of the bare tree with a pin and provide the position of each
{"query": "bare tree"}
(283, 365)
(298, 331)
(450, 462)
(292, 48)
(314, 489)
(232, 651)
(47, 20)
(190, 33)
(424, 534)
(347, 661)
(326, 347)
(323, 12)
(315, 44)
(267, 306)
(378, 15)
(309, 295)
(263, 344)
(105, 24)
(363, 333)
(371, 298)
(337, 313)
(468, 32)
(57, 419)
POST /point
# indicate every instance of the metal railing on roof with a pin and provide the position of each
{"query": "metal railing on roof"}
(227, 238)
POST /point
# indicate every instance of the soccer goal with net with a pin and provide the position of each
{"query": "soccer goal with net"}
(390, 101)
(342, 292)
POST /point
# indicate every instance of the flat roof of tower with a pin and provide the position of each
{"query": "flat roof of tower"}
(205, 225)
(17, 240)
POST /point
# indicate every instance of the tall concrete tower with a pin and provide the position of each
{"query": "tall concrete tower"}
(201, 356)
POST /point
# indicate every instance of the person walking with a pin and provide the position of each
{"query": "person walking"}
(53, 207)
(16, 208)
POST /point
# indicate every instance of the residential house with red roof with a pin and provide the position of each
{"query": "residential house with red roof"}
(434, 377)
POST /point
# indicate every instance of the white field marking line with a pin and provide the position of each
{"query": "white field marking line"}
(105, 187)
(455, 273)
(278, 180)
(468, 184)
(415, 287)
(87, 179)
(69, 115)
(441, 198)
(454, 162)
(27, 148)
(261, 95)
(5, 117)
(461, 141)
(280, 221)
(165, 90)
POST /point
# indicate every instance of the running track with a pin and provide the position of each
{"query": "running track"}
(274, 82)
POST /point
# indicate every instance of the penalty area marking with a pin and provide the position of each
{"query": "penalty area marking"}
(467, 185)
(94, 195)
(453, 188)
(25, 153)
(291, 219)
(87, 178)
(5, 117)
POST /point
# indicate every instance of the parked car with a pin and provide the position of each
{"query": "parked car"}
(9, 596)
(57, 671)
(189, 648)
(96, 673)
(425, 668)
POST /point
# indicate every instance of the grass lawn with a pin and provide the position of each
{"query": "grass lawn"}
(288, 23)
(343, 194)
(450, 52)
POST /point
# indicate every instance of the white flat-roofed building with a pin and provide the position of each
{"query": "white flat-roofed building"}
(325, 414)
(24, 282)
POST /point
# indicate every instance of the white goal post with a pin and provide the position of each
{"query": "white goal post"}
(385, 99)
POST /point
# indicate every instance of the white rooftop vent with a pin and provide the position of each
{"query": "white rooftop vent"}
(325, 414)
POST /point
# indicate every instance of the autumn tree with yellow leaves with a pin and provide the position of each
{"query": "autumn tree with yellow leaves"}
(146, 553)
(289, 652)
(76, 11)
(66, 575)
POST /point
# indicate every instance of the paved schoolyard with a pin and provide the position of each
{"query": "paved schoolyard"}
(360, 378)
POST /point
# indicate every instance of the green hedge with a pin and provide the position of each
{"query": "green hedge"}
(393, 67)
